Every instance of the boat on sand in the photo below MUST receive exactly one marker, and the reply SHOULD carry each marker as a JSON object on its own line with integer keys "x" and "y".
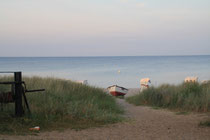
{"x": 116, "y": 90}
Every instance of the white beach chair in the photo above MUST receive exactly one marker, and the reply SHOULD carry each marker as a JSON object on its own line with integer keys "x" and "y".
{"x": 84, "y": 82}
{"x": 191, "y": 79}
{"x": 145, "y": 83}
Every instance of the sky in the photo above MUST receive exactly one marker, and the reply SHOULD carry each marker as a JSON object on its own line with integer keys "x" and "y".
{"x": 104, "y": 27}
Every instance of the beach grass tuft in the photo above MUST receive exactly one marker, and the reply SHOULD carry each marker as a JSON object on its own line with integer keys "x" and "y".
{"x": 183, "y": 97}
{"x": 63, "y": 104}
{"x": 182, "y": 113}
{"x": 205, "y": 123}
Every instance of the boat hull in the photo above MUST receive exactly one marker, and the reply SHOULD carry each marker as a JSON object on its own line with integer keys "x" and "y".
{"x": 117, "y": 91}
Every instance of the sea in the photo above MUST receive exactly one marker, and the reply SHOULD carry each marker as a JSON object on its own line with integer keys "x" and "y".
{"x": 105, "y": 71}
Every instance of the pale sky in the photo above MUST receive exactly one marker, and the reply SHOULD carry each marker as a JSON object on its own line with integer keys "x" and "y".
{"x": 104, "y": 27}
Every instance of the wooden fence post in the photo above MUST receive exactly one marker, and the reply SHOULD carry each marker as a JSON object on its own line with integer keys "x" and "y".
{"x": 18, "y": 94}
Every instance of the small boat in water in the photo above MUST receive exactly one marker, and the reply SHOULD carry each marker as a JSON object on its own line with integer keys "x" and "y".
{"x": 117, "y": 90}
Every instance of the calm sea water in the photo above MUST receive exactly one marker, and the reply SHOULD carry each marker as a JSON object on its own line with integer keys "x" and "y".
{"x": 105, "y": 71}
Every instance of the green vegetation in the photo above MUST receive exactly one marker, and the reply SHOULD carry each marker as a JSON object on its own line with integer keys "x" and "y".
{"x": 155, "y": 107}
{"x": 64, "y": 104}
{"x": 184, "y": 97}
{"x": 182, "y": 113}
{"x": 205, "y": 123}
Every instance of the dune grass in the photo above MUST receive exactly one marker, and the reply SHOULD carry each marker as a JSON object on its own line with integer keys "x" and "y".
{"x": 63, "y": 104}
{"x": 205, "y": 123}
{"x": 184, "y": 97}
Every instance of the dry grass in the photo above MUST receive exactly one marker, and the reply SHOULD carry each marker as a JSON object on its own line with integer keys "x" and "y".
{"x": 184, "y": 97}
{"x": 64, "y": 104}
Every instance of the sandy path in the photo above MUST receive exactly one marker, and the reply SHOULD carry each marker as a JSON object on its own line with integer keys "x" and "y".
{"x": 144, "y": 123}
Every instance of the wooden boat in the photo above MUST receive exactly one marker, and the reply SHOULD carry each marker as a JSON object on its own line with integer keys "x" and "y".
{"x": 117, "y": 90}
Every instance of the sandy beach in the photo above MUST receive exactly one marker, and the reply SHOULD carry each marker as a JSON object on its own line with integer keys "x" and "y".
{"x": 143, "y": 123}
{"x": 132, "y": 91}
{"x": 104, "y": 70}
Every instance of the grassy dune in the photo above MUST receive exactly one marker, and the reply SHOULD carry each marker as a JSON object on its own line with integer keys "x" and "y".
{"x": 64, "y": 104}
{"x": 184, "y": 97}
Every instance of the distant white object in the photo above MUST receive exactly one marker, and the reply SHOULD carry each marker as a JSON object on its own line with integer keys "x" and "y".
{"x": 204, "y": 82}
{"x": 191, "y": 79}
{"x": 145, "y": 82}
{"x": 84, "y": 82}
{"x": 118, "y": 71}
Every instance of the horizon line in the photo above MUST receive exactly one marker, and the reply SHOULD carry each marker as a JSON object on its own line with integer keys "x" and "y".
{"x": 109, "y": 56}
